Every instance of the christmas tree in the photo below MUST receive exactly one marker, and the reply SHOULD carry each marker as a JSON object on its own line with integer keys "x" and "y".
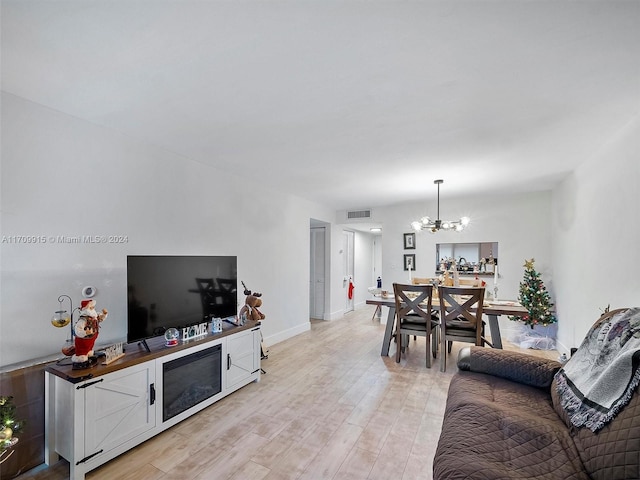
{"x": 535, "y": 298}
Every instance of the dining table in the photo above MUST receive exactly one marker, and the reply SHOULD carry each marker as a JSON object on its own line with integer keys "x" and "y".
{"x": 492, "y": 309}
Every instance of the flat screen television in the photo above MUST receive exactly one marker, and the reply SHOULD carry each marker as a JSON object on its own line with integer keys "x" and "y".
{"x": 178, "y": 291}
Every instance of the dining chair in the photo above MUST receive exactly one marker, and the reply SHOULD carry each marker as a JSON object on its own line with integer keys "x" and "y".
{"x": 206, "y": 288}
{"x": 460, "y": 318}
{"x": 414, "y": 316}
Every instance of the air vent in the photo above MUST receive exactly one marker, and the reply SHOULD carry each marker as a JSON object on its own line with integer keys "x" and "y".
{"x": 359, "y": 214}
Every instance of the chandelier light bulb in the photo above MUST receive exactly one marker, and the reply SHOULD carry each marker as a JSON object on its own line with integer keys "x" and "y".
{"x": 425, "y": 223}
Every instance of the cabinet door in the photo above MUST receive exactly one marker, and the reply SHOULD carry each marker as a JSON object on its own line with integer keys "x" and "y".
{"x": 241, "y": 357}
{"x": 119, "y": 406}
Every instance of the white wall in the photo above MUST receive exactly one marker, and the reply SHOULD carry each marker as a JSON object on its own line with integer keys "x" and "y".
{"x": 519, "y": 223}
{"x": 64, "y": 176}
{"x": 597, "y": 236}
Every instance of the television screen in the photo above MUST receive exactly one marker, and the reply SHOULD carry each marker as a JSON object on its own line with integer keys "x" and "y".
{"x": 178, "y": 291}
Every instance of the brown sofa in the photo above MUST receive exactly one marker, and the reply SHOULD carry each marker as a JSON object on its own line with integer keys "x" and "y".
{"x": 503, "y": 420}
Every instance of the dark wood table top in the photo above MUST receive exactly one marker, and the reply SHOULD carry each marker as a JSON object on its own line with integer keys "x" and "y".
{"x": 136, "y": 354}
{"x": 490, "y": 308}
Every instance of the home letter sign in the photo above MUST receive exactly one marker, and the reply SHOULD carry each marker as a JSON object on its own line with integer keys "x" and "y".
{"x": 195, "y": 331}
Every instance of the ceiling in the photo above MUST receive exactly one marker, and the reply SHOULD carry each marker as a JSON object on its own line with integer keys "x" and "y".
{"x": 353, "y": 104}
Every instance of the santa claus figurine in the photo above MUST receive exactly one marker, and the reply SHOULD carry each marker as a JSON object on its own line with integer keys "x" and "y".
{"x": 86, "y": 332}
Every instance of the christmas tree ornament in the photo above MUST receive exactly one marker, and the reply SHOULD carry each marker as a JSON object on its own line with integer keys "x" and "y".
{"x": 9, "y": 426}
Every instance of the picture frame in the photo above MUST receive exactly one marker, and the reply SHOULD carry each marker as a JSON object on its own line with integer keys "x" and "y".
{"x": 409, "y": 241}
{"x": 410, "y": 261}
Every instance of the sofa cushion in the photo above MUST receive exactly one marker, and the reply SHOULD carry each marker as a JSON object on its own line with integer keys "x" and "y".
{"x": 494, "y": 428}
{"x": 516, "y": 366}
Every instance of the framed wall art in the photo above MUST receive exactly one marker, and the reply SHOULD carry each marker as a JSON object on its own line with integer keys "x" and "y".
{"x": 410, "y": 261}
{"x": 409, "y": 241}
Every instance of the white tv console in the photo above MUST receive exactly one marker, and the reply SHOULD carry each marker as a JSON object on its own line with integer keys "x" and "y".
{"x": 96, "y": 414}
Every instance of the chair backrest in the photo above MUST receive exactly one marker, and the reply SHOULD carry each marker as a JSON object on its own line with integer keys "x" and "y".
{"x": 226, "y": 284}
{"x": 413, "y": 300}
{"x": 461, "y": 305}
{"x": 205, "y": 284}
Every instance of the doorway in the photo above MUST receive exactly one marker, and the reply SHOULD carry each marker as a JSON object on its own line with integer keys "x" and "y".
{"x": 317, "y": 273}
{"x": 348, "y": 240}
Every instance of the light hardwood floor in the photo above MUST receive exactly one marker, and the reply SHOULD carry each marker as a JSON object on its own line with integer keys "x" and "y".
{"x": 329, "y": 407}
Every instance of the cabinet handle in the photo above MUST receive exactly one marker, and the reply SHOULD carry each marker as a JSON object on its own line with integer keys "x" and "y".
{"x": 87, "y": 385}
{"x": 86, "y": 459}
{"x": 228, "y": 361}
{"x": 152, "y": 394}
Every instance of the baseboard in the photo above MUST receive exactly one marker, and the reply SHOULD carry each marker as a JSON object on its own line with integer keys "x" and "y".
{"x": 334, "y": 315}
{"x": 286, "y": 334}
{"x": 562, "y": 348}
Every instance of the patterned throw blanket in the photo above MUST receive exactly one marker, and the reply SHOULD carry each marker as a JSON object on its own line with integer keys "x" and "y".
{"x": 601, "y": 377}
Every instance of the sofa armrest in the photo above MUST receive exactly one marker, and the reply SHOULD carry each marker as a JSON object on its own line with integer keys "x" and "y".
{"x": 515, "y": 366}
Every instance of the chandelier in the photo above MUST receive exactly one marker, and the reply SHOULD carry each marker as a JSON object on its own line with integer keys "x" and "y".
{"x": 425, "y": 223}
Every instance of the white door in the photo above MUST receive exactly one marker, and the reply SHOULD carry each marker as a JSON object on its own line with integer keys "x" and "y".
{"x": 241, "y": 358}
{"x": 317, "y": 273}
{"x": 348, "y": 240}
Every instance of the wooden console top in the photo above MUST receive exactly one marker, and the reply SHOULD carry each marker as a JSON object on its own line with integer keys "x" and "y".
{"x": 136, "y": 353}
